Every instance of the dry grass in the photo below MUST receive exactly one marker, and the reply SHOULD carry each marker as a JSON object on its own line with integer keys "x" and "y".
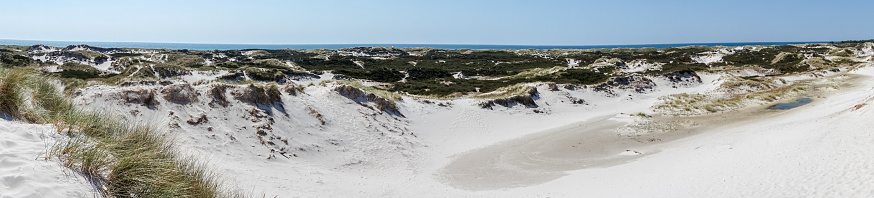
{"x": 780, "y": 57}
{"x": 698, "y": 104}
{"x": 390, "y": 96}
{"x": 262, "y": 95}
{"x": 536, "y": 72}
{"x": 217, "y": 92}
{"x": 820, "y": 63}
{"x": 842, "y": 52}
{"x": 180, "y": 93}
{"x": 11, "y": 83}
{"x": 737, "y": 85}
{"x": 132, "y": 160}
{"x": 360, "y": 96}
{"x": 694, "y": 104}
{"x": 124, "y": 159}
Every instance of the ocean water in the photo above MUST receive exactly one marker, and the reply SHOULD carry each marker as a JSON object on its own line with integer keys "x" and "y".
{"x": 199, "y": 46}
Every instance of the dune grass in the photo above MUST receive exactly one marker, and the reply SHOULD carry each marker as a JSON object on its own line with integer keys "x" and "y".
{"x": 698, "y": 104}
{"x": 521, "y": 89}
{"x": 10, "y": 92}
{"x": 122, "y": 158}
{"x": 390, "y": 96}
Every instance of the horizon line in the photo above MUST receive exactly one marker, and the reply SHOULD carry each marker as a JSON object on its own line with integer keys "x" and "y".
{"x": 566, "y": 45}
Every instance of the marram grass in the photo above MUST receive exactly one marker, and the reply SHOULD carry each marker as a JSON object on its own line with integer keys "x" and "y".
{"x": 121, "y": 158}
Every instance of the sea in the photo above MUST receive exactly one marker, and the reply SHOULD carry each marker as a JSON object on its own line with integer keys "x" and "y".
{"x": 204, "y": 46}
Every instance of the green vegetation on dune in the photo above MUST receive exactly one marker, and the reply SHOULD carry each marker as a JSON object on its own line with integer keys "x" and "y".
{"x": 9, "y": 59}
{"x": 788, "y": 62}
{"x": 444, "y": 72}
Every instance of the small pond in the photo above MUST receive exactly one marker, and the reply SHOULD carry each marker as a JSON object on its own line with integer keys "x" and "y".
{"x": 797, "y": 103}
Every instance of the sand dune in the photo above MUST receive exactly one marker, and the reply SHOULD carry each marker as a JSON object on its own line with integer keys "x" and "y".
{"x": 602, "y": 148}
{"x": 24, "y": 171}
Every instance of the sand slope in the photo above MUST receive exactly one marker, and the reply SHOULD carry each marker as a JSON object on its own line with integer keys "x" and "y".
{"x": 25, "y": 173}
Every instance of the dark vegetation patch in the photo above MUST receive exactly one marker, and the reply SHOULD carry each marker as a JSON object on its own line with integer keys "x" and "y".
{"x": 379, "y": 75}
{"x": 683, "y": 76}
{"x": 185, "y": 60}
{"x": 286, "y": 54}
{"x": 417, "y": 74}
{"x": 427, "y": 71}
{"x": 431, "y": 72}
{"x": 239, "y": 76}
{"x": 78, "y": 74}
{"x": 447, "y": 86}
{"x": 122, "y": 55}
{"x": 680, "y": 67}
{"x": 88, "y": 48}
{"x": 200, "y": 120}
{"x": 857, "y": 41}
{"x": 250, "y": 63}
{"x": 293, "y": 89}
{"x": 635, "y": 82}
{"x": 7, "y": 59}
{"x": 261, "y": 74}
{"x": 80, "y": 71}
{"x": 764, "y": 58}
{"x": 375, "y": 51}
{"x": 852, "y": 43}
{"x": 169, "y": 71}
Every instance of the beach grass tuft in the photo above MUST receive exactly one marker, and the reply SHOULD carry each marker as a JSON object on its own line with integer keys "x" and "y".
{"x": 120, "y": 157}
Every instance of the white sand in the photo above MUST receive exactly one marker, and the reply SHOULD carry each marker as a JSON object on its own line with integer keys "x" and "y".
{"x": 24, "y": 171}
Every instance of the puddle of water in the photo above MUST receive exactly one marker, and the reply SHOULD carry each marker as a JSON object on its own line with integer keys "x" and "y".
{"x": 797, "y": 103}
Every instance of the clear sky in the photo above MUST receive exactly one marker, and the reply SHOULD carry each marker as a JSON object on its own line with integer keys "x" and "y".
{"x": 541, "y": 22}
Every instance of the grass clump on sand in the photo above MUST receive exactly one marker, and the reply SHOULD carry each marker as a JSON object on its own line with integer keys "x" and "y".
{"x": 10, "y": 92}
{"x": 124, "y": 159}
{"x": 390, "y": 96}
{"x": 521, "y": 89}
{"x": 268, "y": 94}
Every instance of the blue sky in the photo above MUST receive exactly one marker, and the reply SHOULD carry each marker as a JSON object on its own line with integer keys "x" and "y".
{"x": 437, "y": 22}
